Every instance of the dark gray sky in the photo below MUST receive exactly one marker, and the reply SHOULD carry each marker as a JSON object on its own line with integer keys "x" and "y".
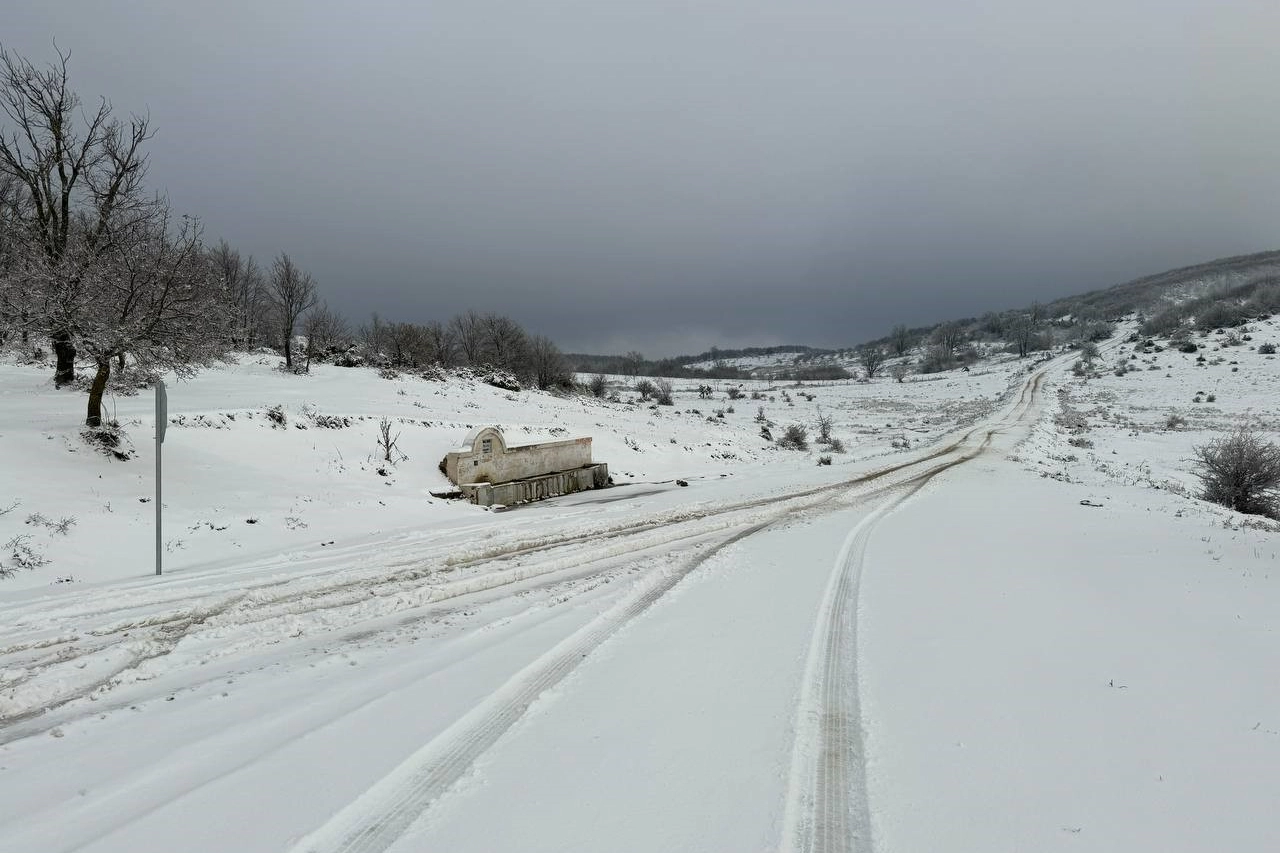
{"x": 669, "y": 175}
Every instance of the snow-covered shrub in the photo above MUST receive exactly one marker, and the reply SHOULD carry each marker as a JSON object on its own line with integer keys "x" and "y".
{"x": 825, "y": 459}
{"x": 109, "y": 439}
{"x": 598, "y": 385}
{"x": 1218, "y": 315}
{"x": 662, "y": 392}
{"x": 645, "y": 388}
{"x": 1175, "y": 421}
{"x": 17, "y": 554}
{"x": 1267, "y": 349}
{"x": 500, "y": 379}
{"x": 836, "y": 445}
{"x": 1241, "y": 471}
{"x": 795, "y": 437}
{"x": 936, "y": 360}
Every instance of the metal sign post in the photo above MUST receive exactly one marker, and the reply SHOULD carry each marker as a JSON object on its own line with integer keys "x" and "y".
{"x": 162, "y": 421}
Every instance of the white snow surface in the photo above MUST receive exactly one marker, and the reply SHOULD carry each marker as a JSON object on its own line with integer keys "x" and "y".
{"x": 1020, "y": 632}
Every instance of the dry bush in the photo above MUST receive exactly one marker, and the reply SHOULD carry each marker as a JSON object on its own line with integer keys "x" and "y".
{"x": 824, "y": 427}
{"x": 662, "y": 392}
{"x": 1242, "y": 472}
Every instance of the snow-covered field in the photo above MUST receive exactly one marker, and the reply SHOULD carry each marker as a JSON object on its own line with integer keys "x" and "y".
{"x": 930, "y": 644}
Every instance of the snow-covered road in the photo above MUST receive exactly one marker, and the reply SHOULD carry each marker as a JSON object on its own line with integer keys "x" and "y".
{"x": 588, "y": 683}
{"x": 670, "y": 671}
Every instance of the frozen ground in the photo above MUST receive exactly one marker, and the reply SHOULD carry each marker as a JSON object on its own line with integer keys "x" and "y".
{"x": 939, "y": 647}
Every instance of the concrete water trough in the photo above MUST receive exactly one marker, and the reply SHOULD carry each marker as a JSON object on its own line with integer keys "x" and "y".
{"x": 490, "y": 473}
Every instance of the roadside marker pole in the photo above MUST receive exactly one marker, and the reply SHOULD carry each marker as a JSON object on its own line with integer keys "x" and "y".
{"x": 162, "y": 421}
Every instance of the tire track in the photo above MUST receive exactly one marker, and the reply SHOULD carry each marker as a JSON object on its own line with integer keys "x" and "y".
{"x": 827, "y": 809}
{"x": 155, "y": 635}
{"x": 380, "y": 817}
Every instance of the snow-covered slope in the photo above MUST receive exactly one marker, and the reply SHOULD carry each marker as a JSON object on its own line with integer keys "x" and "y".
{"x": 242, "y": 484}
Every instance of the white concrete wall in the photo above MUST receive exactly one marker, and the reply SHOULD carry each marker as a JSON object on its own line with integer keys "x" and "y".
{"x": 504, "y": 464}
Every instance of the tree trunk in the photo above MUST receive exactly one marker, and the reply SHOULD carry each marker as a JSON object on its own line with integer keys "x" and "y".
{"x": 94, "y": 417}
{"x": 120, "y": 362}
{"x": 288, "y": 348}
{"x": 64, "y": 372}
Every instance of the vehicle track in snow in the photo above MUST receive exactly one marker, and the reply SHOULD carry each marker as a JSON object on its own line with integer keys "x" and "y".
{"x": 827, "y": 809}
{"x": 163, "y": 619}
{"x": 379, "y": 818}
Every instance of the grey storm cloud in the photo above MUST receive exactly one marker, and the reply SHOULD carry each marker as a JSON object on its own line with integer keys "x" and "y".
{"x": 668, "y": 175}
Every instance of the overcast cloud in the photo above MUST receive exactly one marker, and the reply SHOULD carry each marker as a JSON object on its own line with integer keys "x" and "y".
{"x": 668, "y": 175}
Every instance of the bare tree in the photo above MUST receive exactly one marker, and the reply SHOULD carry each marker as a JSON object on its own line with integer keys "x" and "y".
{"x": 14, "y": 310}
{"x": 505, "y": 344}
{"x": 323, "y": 329}
{"x": 900, "y": 340}
{"x": 245, "y": 290}
{"x": 468, "y": 334}
{"x": 1035, "y": 314}
{"x": 292, "y": 293}
{"x": 949, "y": 336}
{"x": 374, "y": 335}
{"x": 871, "y": 358}
{"x": 546, "y": 363}
{"x": 632, "y": 362}
{"x": 438, "y": 344}
{"x": 159, "y": 299}
{"x": 402, "y": 343}
{"x": 81, "y": 171}
{"x": 1022, "y": 334}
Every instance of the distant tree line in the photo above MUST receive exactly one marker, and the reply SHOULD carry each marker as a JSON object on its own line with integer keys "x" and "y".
{"x": 635, "y": 364}
{"x": 680, "y": 367}
{"x": 469, "y": 340}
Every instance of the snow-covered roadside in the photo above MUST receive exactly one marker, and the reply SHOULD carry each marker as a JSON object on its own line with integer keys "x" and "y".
{"x": 1141, "y": 428}
{"x": 1080, "y": 653}
{"x": 1042, "y": 675}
